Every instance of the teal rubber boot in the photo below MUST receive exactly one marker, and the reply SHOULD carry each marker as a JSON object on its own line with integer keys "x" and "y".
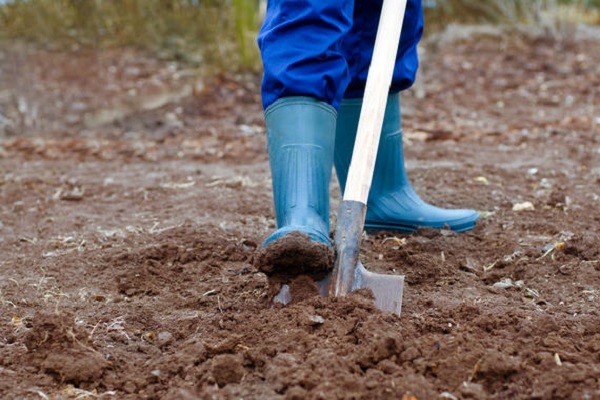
{"x": 393, "y": 203}
{"x": 300, "y": 139}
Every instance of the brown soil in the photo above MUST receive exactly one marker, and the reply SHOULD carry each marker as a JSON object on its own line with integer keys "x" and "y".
{"x": 296, "y": 261}
{"x": 128, "y": 230}
{"x": 296, "y": 253}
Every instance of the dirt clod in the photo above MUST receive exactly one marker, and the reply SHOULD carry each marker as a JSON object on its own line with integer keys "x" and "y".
{"x": 59, "y": 348}
{"x": 227, "y": 369}
{"x": 294, "y": 254}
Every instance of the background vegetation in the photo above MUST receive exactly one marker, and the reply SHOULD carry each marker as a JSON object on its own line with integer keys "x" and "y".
{"x": 551, "y": 15}
{"x": 222, "y": 32}
{"x": 215, "y": 32}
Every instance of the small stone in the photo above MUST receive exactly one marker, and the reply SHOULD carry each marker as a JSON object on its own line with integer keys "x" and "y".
{"x": 164, "y": 338}
{"x": 469, "y": 390}
{"x": 504, "y": 283}
{"x": 448, "y": 396}
{"x": 316, "y": 320}
{"x": 525, "y": 206}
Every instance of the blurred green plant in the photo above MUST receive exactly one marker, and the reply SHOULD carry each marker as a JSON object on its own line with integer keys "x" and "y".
{"x": 547, "y": 14}
{"x": 215, "y": 33}
{"x": 246, "y": 22}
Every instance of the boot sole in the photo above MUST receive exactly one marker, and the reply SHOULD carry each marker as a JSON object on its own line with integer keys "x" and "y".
{"x": 410, "y": 228}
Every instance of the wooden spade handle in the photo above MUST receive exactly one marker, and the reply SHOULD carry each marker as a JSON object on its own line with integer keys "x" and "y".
{"x": 377, "y": 88}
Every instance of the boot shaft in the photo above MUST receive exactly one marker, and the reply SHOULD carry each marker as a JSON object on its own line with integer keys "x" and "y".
{"x": 300, "y": 139}
{"x": 389, "y": 170}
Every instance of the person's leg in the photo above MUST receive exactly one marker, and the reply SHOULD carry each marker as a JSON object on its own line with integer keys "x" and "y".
{"x": 357, "y": 46}
{"x": 305, "y": 76}
{"x": 392, "y": 203}
{"x": 300, "y": 46}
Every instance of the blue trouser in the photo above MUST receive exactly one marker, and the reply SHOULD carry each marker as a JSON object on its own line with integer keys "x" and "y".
{"x": 323, "y": 48}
